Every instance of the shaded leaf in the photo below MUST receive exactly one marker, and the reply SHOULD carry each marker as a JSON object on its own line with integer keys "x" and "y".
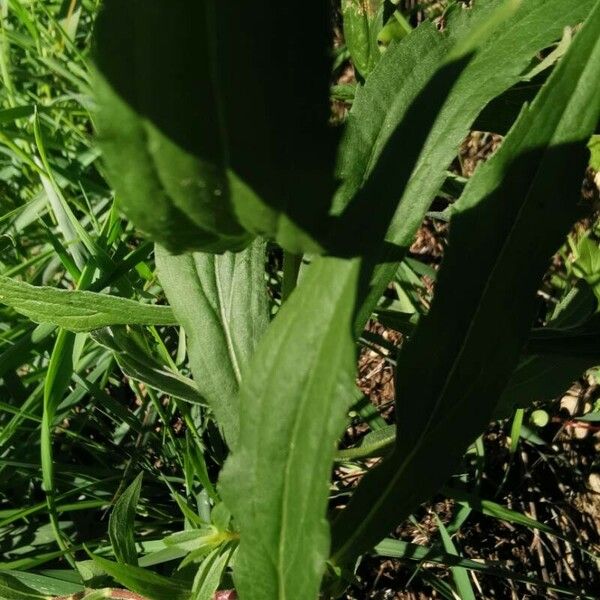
{"x": 137, "y": 363}
{"x": 416, "y": 553}
{"x": 194, "y": 167}
{"x": 516, "y": 210}
{"x": 387, "y": 100}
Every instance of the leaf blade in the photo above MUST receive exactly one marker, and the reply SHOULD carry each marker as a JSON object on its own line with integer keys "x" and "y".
{"x": 539, "y": 162}
{"x": 227, "y": 295}
{"x": 282, "y": 450}
{"x": 144, "y": 581}
{"x": 384, "y": 102}
{"x": 215, "y": 182}
{"x": 121, "y": 523}
{"x": 79, "y": 311}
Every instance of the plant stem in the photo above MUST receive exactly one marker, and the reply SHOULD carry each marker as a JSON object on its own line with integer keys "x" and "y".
{"x": 291, "y": 269}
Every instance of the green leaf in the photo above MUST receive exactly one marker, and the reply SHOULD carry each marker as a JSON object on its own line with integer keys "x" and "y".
{"x": 221, "y": 301}
{"x": 594, "y": 146}
{"x": 143, "y": 581}
{"x": 556, "y": 355}
{"x": 259, "y": 460}
{"x": 122, "y": 521}
{"x": 501, "y": 113}
{"x": 16, "y": 585}
{"x": 540, "y": 377}
{"x": 15, "y": 590}
{"x": 290, "y": 417}
{"x": 77, "y": 310}
{"x": 363, "y": 20}
{"x": 554, "y": 358}
{"x": 136, "y": 362}
{"x": 193, "y": 166}
{"x": 587, "y": 263}
{"x": 385, "y": 114}
{"x": 209, "y": 574}
{"x": 375, "y": 443}
{"x": 459, "y": 574}
{"x": 580, "y": 341}
{"x": 516, "y": 210}
{"x": 8, "y": 115}
{"x": 417, "y": 553}
{"x": 497, "y": 511}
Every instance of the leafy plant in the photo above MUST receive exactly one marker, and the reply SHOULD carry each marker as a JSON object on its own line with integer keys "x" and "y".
{"x": 215, "y": 136}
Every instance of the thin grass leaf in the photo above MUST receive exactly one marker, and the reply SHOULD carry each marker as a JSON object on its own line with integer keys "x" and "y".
{"x": 57, "y": 379}
{"x": 515, "y": 431}
{"x": 143, "y": 581}
{"x": 497, "y": 511}
{"x": 459, "y": 574}
{"x": 413, "y": 552}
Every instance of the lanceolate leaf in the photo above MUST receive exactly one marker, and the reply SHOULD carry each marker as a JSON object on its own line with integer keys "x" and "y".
{"x": 17, "y": 586}
{"x": 515, "y": 211}
{"x": 143, "y": 581}
{"x": 78, "y": 310}
{"x": 363, "y": 20}
{"x": 293, "y": 403}
{"x": 138, "y": 364}
{"x": 200, "y": 157}
{"x": 221, "y": 301}
{"x": 275, "y": 559}
{"x": 121, "y": 523}
{"x": 276, "y": 481}
{"x": 394, "y": 89}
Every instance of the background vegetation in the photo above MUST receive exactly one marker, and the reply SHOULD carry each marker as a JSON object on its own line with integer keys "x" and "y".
{"x": 101, "y": 444}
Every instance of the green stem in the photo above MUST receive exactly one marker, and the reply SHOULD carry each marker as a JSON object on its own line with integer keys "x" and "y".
{"x": 291, "y": 269}
{"x": 60, "y": 370}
